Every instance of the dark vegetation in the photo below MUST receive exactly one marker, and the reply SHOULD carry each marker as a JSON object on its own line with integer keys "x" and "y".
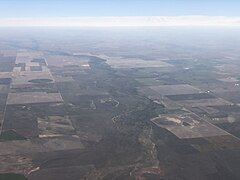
{"x": 11, "y": 135}
{"x": 40, "y": 81}
{"x": 12, "y": 176}
{"x": 191, "y": 96}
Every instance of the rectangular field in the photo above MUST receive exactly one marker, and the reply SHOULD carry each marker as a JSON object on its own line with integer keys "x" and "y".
{"x": 187, "y": 126}
{"x": 205, "y": 102}
{"x": 198, "y": 96}
{"x": 33, "y": 97}
{"x": 175, "y": 89}
{"x": 119, "y": 62}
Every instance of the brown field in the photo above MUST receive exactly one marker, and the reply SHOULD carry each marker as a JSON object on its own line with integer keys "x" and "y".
{"x": 40, "y": 145}
{"x": 55, "y": 126}
{"x": 61, "y": 61}
{"x": 187, "y": 126}
{"x": 33, "y": 97}
{"x": 120, "y": 62}
{"x": 175, "y": 89}
{"x": 205, "y": 102}
{"x": 5, "y": 74}
{"x": 25, "y": 77}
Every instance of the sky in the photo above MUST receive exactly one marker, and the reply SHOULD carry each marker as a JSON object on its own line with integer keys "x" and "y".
{"x": 76, "y": 8}
{"x": 50, "y": 9}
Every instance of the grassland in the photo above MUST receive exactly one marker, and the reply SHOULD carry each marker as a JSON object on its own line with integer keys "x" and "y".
{"x": 40, "y": 81}
{"x": 12, "y": 176}
{"x": 11, "y": 135}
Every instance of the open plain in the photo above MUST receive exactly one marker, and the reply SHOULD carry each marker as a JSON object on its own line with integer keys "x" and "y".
{"x": 104, "y": 108}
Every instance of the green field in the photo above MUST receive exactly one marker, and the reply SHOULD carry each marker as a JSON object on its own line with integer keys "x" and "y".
{"x": 12, "y": 176}
{"x": 175, "y": 111}
{"x": 40, "y": 81}
{"x": 198, "y": 96}
{"x": 10, "y": 136}
{"x": 149, "y": 81}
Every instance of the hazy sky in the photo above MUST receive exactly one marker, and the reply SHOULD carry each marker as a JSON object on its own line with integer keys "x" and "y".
{"x": 119, "y": 13}
{"x": 78, "y": 8}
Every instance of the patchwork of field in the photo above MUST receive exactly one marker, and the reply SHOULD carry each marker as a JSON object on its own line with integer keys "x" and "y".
{"x": 205, "y": 100}
{"x": 30, "y": 77}
{"x": 187, "y": 126}
{"x": 17, "y": 155}
{"x": 7, "y": 60}
{"x": 87, "y": 109}
{"x": 31, "y": 73}
{"x": 40, "y": 145}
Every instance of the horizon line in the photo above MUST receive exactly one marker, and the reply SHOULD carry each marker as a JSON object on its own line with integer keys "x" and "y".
{"x": 122, "y": 21}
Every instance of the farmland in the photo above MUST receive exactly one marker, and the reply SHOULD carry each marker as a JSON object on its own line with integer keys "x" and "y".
{"x": 108, "y": 108}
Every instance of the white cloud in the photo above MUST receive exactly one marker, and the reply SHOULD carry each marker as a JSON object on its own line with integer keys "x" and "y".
{"x": 122, "y": 21}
